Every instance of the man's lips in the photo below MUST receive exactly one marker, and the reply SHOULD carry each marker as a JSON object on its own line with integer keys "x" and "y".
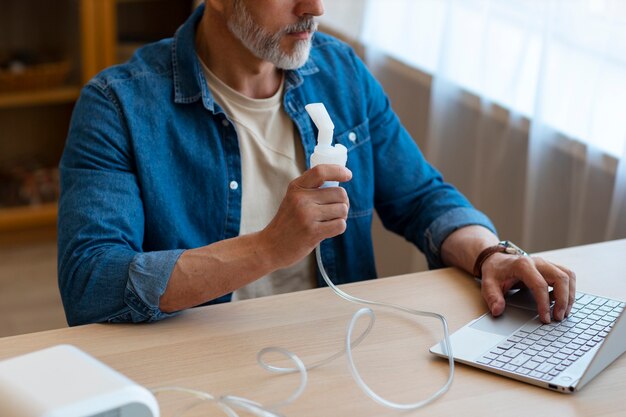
{"x": 300, "y": 35}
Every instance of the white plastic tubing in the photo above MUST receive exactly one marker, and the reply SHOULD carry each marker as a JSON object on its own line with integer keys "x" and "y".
{"x": 231, "y": 404}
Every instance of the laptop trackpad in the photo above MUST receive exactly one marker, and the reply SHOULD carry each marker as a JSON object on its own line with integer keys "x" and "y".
{"x": 512, "y": 319}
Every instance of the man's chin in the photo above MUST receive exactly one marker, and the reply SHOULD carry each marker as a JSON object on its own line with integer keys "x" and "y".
{"x": 296, "y": 59}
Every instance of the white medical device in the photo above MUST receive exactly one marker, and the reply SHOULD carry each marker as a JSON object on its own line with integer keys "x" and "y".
{"x": 63, "y": 381}
{"x": 325, "y": 152}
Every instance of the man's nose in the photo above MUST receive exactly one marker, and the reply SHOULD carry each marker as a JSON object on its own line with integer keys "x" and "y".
{"x": 309, "y": 8}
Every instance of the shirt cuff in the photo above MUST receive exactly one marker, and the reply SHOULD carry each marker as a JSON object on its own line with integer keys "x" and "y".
{"x": 149, "y": 274}
{"x": 447, "y": 223}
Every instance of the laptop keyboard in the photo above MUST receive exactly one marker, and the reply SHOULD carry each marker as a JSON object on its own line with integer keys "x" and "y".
{"x": 547, "y": 350}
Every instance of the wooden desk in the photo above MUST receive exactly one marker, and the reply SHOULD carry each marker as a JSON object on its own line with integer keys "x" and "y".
{"x": 214, "y": 348}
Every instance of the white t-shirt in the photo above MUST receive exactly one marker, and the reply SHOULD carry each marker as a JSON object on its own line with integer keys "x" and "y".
{"x": 271, "y": 157}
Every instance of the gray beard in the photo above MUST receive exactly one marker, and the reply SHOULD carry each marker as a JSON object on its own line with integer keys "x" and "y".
{"x": 265, "y": 45}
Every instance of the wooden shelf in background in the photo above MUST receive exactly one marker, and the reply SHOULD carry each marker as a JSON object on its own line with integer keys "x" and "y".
{"x": 15, "y": 219}
{"x": 57, "y": 95}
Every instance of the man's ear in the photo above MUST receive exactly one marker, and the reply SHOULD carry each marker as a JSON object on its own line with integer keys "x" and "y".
{"x": 218, "y": 5}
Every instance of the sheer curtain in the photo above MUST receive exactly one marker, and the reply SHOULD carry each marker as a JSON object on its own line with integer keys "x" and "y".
{"x": 526, "y": 106}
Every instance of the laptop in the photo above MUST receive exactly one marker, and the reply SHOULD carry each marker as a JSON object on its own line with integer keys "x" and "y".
{"x": 561, "y": 356}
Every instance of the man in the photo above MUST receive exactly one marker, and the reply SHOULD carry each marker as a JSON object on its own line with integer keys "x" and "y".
{"x": 184, "y": 178}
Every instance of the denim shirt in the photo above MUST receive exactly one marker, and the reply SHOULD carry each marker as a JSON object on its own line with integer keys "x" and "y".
{"x": 152, "y": 167}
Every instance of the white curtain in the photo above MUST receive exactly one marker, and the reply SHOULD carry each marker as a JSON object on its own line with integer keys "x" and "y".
{"x": 526, "y": 107}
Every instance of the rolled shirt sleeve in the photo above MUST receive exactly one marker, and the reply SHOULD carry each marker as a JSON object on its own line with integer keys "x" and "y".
{"x": 445, "y": 225}
{"x": 146, "y": 283}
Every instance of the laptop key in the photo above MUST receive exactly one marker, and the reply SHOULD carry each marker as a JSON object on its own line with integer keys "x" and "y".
{"x": 544, "y": 367}
{"x": 575, "y": 331}
{"x": 523, "y": 371}
{"x": 498, "y": 364}
{"x": 536, "y": 374}
{"x": 552, "y": 349}
{"x": 497, "y": 351}
{"x": 531, "y": 352}
{"x": 506, "y": 345}
{"x": 484, "y": 360}
{"x": 510, "y": 368}
{"x": 531, "y": 364}
{"x": 520, "y": 359}
{"x": 544, "y": 354}
{"x": 511, "y": 353}
{"x": 598, "y": 301}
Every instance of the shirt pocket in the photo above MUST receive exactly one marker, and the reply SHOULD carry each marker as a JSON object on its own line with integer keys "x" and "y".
{"x": 354, "y": 137}
{"x": 360, "y": 188}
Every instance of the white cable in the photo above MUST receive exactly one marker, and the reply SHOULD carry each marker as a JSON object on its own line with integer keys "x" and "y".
{"x": 355, "y": 373}
{"x": 229, "y": 403}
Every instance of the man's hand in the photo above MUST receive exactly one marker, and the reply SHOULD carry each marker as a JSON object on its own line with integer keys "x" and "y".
{"x": 501, "y": 272}
{"x": 308, "y": 214}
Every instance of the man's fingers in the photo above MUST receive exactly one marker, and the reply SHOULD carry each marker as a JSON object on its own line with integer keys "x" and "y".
{"x": 331, "y": 228}
{"x": 564, "y": 282}
{"x": 525, "y": 269}
{"x": 332, "y": 212}
{"x": 559, "y": 281}
{"x": 316, "y": 176}
{"x": 331, "y": 195}
{"x": 572, "y": 287}
{"x": 492, "y": 294}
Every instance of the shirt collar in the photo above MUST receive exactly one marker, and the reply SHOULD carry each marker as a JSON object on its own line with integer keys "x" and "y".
{"x": 189, "y": 82}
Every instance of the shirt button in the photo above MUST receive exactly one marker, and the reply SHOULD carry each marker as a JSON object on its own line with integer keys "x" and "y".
{"x": 352, "y": 136}
{"x": 225, "y": 123}
{"x": 233, "y": 185}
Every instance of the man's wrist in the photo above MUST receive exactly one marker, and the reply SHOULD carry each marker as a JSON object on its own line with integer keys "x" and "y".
{"x": 503, "y": 247}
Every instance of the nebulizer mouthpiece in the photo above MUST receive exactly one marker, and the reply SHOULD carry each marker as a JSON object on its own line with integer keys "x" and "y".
{"x": 325, "y": 152}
